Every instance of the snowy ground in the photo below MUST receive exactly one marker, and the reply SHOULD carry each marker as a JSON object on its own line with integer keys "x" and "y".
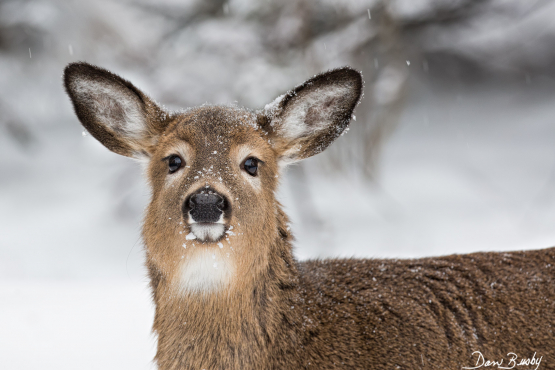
{"x": 75, "y": 325}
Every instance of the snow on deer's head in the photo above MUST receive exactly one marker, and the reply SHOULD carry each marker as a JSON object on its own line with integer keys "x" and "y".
{"x": 213, "y": 170}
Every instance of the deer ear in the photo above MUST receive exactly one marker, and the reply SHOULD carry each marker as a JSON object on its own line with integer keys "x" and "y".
{"x": 114, "y": 111}
{"x": 306, "y": 120}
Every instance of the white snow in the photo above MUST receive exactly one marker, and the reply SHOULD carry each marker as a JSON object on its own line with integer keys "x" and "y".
{"x": 79, "y": 324}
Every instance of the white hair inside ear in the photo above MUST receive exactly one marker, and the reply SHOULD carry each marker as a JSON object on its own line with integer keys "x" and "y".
{"x": 117, "y": 109}
{"x": 306, "y": 120}
{"x": 310, "y": 113}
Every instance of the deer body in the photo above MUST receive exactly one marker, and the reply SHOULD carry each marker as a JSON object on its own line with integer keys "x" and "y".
{"x": 228, "y": 292}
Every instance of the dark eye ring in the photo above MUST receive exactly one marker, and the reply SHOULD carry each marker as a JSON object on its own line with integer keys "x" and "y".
{"x": 250, "y": 165}
{"x": 174, "y": 163}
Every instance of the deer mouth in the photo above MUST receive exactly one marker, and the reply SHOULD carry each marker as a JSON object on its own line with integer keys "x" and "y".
{"x": 207, "y": 231}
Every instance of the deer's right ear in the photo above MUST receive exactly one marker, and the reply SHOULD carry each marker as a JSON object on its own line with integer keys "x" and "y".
{"x": 115, "y": 112}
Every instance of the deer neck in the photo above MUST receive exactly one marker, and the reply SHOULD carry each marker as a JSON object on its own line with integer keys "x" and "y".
{"x": 231, "y": 325}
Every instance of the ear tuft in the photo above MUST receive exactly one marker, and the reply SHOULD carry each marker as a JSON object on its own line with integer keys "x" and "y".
{"x": 306, "y": 120}
{"x": 114, "y": 111}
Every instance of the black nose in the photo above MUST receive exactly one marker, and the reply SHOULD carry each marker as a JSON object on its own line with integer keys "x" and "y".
{"x": 205, "y": 206}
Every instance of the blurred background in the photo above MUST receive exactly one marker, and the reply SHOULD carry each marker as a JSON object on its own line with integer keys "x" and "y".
{"x": 452, "y": 150}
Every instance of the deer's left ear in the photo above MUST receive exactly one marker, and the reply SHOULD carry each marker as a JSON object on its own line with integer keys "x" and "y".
{"x": 306, "y": 120}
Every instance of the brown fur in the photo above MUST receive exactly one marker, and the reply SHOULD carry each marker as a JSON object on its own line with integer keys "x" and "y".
{"x": 277, "y": 313}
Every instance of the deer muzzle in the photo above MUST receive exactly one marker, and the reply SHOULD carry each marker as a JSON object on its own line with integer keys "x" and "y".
{"x": 205, "y": 211}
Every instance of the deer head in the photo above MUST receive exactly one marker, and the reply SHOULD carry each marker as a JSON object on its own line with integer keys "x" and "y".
{"x": 213, "y": 170}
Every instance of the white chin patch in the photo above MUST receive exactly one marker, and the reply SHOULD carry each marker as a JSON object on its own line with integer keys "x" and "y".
{"x": 208, "y": 232}
{"x": 207, "y": 270}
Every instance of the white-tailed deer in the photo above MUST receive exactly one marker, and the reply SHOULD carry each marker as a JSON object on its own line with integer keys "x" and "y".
{"x": 230, "y": 295}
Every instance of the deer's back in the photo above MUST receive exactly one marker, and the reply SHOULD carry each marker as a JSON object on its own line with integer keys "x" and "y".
{"x": 434, "y": 312}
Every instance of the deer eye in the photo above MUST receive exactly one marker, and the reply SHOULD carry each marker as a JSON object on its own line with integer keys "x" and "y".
{"x": 251, "y": 166}
{"x": 174, "y": 163}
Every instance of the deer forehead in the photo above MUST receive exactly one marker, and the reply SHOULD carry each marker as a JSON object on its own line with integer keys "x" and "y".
{"x": 213, "y": 142}
{"x": 216, "y": 134}
{"x": 217, "y": 122}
